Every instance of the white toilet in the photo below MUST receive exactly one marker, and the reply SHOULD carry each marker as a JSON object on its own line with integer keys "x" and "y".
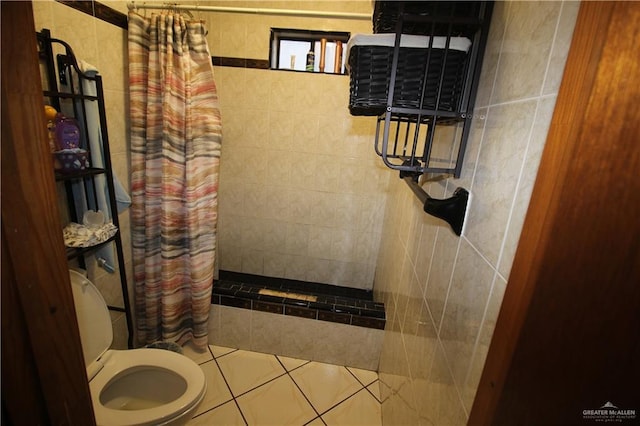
{"x": 137, "y": 386}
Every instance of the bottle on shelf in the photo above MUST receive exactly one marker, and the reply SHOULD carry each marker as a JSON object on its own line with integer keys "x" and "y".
{"x": 311, "y": 57}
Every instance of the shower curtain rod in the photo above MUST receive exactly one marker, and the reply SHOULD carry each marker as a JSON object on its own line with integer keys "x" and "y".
{"x": 251, "y": 10}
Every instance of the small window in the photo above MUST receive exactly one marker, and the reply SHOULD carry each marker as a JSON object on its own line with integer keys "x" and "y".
{"x": 306, "y": 50}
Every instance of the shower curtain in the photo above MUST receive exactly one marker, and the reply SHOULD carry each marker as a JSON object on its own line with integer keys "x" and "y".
{"x": 176, "y": 136}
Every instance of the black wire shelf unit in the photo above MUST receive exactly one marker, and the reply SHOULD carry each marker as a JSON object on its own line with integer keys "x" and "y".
{"x": 422, "y": 89}
{"x": 63, "y": 89}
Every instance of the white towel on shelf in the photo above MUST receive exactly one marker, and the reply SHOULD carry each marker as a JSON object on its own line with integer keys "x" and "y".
{"x": 407, "y": 40}
{"x": 104, "y": 255}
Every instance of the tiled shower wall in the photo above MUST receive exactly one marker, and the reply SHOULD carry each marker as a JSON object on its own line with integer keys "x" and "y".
{"x": 105, "y": 46}
{"x": 302, "y": 192}
{"x": 443, "y": 293}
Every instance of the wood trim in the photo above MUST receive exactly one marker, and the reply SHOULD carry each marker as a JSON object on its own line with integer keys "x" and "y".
{"x": 566, "y": 339}
{"x": 20, "y": 366}
{"x": 42, "y": 361}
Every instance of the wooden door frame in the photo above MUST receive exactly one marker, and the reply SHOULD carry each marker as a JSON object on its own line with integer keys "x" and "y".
{"x": 567, "y": 336}
{"x": 43, "y": 376}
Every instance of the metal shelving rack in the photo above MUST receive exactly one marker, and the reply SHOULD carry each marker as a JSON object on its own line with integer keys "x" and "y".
{"x": 71, "y": 98}
{"x": 406, "y": 137}
{"x": 431, "y": 138}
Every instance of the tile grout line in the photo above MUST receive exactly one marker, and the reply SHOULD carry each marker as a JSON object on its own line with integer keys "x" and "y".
{"x": 293, "y": 369}
{"x": 366, "y": 387}
{"x": 371, "y": 393}
{"x": 259, "y": 386}
{"x": 335, "y": 405}
{"x": 345, "y": 399}
{"x": 200, "y": 364}
{"x": 301, "y": 391}
{"x": 215, "y": 406}
{"x": 356, "y": 377}
{"x": 233, "y": 397}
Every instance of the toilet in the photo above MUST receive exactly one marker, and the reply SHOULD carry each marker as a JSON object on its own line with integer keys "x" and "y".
{"x": 132, "y": 387}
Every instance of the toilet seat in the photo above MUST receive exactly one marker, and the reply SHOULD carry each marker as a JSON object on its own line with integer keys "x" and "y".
{"x": 184, "y": 380}
{"x": 116, "y": 366}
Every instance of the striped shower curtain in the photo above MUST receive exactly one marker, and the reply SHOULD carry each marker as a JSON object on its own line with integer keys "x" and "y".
{"x": 176, "y": 136}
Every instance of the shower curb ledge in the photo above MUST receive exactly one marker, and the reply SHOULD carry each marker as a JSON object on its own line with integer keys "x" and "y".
{"x": 309, "y": 300}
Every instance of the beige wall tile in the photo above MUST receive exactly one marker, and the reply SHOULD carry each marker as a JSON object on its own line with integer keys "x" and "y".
{"x": 120, "y": 333}
{"x": 464, "y": 287}
{"x": 527, "y": 43}
{"x": 235, "y": 328}
{"x": 266, "y": 332}
{"x": 275, "y": 264}
{"x": 308, "y": 131}
{"x": 544, "y": 112}
{"x": 561, "y": 44}
{"x": 484, "y": 340}
{"x": 43, "y": 14}
{"x": 492, "y": 53}
{"x": 446, "y": 248}
{"x": 112, "y": 58}
{"x": 302, "y": 341}
{"x": 499, "y": 165}
{"x": 438, "y": 400}
{"x": 462, "y": 318}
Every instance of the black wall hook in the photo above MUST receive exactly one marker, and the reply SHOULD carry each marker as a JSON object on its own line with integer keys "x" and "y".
{"x": 452, "y": 210}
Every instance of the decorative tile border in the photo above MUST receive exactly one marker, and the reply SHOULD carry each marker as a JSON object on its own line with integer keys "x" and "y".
{"x": 99, "y": 10}
{"x": 333, "y": 303}
{"x": 224, "y": 61}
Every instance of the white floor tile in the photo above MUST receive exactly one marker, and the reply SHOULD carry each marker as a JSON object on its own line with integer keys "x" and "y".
{"x": 218, "y": 351}
{"x": 291, "y": 363}
{"x": 268, "y": 396}
{"x": 217, "y": 390}
{"x": 278, "y": 402}
{"x": 227, "y": 415}
{"x": 245, "y": 370}
{"x": 197, "y": 356}
{"x": 362, "y": 409}
{"x": 366, "y": 377}
{"x": 374, "y": 388}
{"x": 325, "y": 384}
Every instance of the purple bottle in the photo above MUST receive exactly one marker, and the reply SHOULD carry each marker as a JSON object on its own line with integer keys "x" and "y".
{"x": 67, "y": 133}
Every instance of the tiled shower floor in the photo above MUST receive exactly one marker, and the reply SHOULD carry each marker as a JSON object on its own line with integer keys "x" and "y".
{"x": 251, "y": 388}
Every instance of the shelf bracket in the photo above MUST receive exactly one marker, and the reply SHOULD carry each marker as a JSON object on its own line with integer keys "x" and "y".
{"x": 452, "y": 210}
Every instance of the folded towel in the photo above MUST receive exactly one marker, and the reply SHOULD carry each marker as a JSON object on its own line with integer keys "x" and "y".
{"x": 407, "y": 40}
{"x": 123, "y": 200}
{"x": 105, "y": 255}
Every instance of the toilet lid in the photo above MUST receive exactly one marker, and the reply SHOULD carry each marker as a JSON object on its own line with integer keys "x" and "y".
{"x": 94, "y": 321}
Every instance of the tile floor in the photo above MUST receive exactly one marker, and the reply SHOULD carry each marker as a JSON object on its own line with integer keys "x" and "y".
{"x": 251, "y": 388}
